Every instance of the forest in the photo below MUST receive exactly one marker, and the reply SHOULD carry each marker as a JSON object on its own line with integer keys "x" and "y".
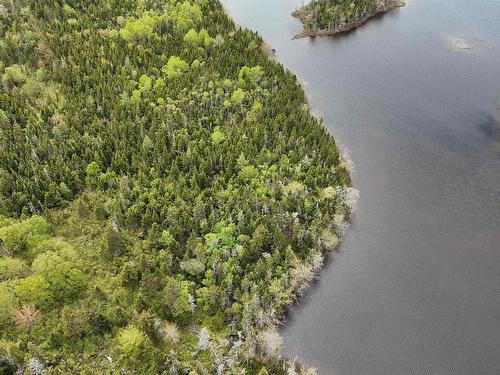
{"x": 165, "y": 192}
{"x": 337, "y": 16}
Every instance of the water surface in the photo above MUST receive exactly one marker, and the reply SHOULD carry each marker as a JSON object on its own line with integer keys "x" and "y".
{"x": 413, "y": 94}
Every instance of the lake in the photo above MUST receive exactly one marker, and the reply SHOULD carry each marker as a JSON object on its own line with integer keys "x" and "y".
{"x": 413, "y": 94}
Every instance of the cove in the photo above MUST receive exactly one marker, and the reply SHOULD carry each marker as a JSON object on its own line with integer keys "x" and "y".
{"x": 414, "y": 95}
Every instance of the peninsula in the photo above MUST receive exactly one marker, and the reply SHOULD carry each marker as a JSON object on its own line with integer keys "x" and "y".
{"x": 165, "y": 191}
{"x": 329, "y": 17}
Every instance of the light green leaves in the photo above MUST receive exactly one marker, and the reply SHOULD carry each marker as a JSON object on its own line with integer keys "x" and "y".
{"x": 93, "y": 169}
{"x": 22, "y": 236}
{"x": 56, "y": 278}
{"x": 14, "y": 75}
{"x": 191, "y": 37}
{"x": 11, "y": 268}
{"x": 248, "y": 172}
{"x": 174, "y": 67}
{"x": 137, "y": 29}
{"x": 145, "y": 83}
{"x": 201, "y": 38}
{"x": 238, "y": 96}
{"x": 217, "y": 136}
{"x": 7, "y": 303}
{"x": 132, "y": 341}
{"x": 250, "y": 76}
{"x": 185, "y": 15}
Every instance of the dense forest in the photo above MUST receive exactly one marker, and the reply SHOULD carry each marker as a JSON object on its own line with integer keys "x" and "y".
{"x": 336, "y": 16}
{"x": 165, "y": 192}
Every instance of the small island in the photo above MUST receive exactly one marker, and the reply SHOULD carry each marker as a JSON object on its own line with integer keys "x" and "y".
{"x": 329, "y": 17}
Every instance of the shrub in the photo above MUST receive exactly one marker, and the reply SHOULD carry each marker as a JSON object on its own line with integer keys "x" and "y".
{"x": 35, "y": 290}
{"x": 6, "y": 221}
{"x": 7, "y": 303}
{"x": 176, "y": 298}
{"x": 52, "y": 287}
{"x": 76, "y": 319}
{"x": 137, "y": 29}
{"x": 14, "y": 75}
{"x": 132, "y": 341}
{"x": 248, "y": 172}
{"x": 54, "y": 245}
{"x": 62, "y": 255}
{"x": 11, "y": 268}
{"x": 113, "y": 244}
{"x": 19, "y": 237}
{"x": 65, "y": 283}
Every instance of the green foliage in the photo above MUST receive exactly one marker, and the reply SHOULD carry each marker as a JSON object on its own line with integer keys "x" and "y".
{"x": 185, "y": 15}
{"x": 66, "y": 283}
{"x": 6, "y": 221}
{"x": 65, "y": 190}
{"x": 198, "y": 38}
{"x": 184, "y": 180}
{"x": 35, "y": 290}
{"x": 217, "y": 136}
{"x": 114, "y": 245}
{"x": 191, "y": 37}
{"x": 7, "y": 304}
{"x": 137, "y": 29}
{"x": 159, "y": 85}
{"x": 93, "y": 170}
{"x": 248, "y": 172}
{"x": 132, "y": 341}
{"x": 145, "y": 83}
{"x": 238, "y": 96}
{"x": 174, "y": 67}
{"x": 250, "y": 75}
{"x": 21, "y": 236}
{"x": 14, "y": 75}
{"x": 51, "y": 288}
{"x": 176, "y": 299}
{"x": 62, "y": 255}
{"x": 51, "y": 245}
{"x": 11, "y": 268}
{"x": 168, "y": 240}
{"x": 55, "y": 280}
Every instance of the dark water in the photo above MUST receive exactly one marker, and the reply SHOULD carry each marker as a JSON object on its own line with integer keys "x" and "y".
{"x": 416, "y": 286}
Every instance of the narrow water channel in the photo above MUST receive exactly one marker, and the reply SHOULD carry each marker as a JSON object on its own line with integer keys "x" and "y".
{"x": 414, "y": 95}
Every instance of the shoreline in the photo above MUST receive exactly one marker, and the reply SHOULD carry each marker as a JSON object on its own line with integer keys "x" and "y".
{"x": 311, "y": 271}
{"x": 303, "y": 15}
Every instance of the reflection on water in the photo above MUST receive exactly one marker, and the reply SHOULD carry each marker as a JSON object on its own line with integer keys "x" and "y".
{"x": 415, "y": 289}
{"x": 460, "y": 44}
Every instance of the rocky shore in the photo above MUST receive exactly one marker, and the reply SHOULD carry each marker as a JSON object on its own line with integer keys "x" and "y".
{"x": 330, "y": 17}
